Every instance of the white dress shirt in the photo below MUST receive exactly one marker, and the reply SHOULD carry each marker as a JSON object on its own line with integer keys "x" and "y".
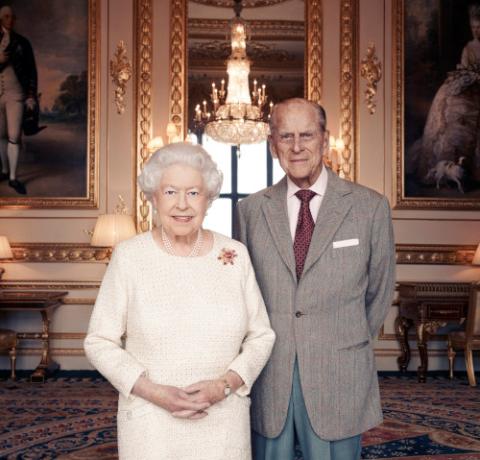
{"x": 293, "y": 202}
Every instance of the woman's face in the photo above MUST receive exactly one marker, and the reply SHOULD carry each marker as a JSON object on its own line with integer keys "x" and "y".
{"x": 181, "y": 200}
{"x": 475, "y": 26}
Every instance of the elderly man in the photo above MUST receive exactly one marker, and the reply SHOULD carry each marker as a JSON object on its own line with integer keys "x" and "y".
{"x": 323, "y": 253}
{"x": 18, "y": 86}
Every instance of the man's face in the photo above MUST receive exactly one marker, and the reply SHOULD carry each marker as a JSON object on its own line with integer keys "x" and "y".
{"x": 298, "y": 142}
{"x": 7, "y": 19}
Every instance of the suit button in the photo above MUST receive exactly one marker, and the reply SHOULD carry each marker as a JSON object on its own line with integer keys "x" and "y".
{"x": 298, "y": 314}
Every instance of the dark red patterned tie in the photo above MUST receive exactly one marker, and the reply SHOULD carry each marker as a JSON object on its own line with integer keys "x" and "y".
{"x": 303, "y": 233}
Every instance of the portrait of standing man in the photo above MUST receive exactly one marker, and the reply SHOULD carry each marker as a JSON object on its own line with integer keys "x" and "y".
{"x": 323, "y": 253}
{"x": 18, "y": 92}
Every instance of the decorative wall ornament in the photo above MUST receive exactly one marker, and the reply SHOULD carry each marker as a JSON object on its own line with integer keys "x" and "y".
{"x": 371, "y": 71}
{"x": 348, "y": 85}
{"x": 144, "y": 45}
{"x": 121, "y": 72}
{"x": 314, "y": 50}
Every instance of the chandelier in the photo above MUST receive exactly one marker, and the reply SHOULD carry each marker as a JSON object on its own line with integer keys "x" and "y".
{"x": 237, "y": 117}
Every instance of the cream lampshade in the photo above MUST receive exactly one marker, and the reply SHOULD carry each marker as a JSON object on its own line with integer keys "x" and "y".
{"x": 110, "y": 229}
{"x": 5, "y": 251}
{"x": 476, "y": 257}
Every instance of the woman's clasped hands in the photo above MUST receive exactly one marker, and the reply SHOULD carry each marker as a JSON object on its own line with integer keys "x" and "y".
{"x": 190, "y": 402}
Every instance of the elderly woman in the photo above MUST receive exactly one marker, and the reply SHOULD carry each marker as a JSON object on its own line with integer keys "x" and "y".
{"x": 179, "y": 326}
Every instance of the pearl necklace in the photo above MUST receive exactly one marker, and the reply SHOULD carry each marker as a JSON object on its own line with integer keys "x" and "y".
{"x": 197, "y": 246}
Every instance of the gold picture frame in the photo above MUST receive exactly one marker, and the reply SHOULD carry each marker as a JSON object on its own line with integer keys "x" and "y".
{"x": 415, "y": 187}
{"x": 88, "y": 198}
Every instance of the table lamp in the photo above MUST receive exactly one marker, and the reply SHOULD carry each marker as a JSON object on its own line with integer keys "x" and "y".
{"x": 5, "y": 252}
{"x": 110, "y": 229}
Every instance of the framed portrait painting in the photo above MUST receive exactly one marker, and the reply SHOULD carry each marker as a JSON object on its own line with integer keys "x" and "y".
{"x": 437, "y": 104}
{"x": 48, "y": 103}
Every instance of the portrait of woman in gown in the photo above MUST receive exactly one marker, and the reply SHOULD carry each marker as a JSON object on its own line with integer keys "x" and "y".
{"x": 446, "y": 158}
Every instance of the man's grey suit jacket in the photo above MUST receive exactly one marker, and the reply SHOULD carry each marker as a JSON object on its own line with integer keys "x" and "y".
{"x": 330, "y": 318}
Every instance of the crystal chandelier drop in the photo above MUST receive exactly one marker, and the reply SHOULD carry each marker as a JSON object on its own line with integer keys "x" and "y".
{"x": 237, "y": 118}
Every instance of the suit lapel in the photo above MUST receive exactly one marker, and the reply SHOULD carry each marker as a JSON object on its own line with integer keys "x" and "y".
{"x": 333, "y": 210}
{"x": 275, "y": 210}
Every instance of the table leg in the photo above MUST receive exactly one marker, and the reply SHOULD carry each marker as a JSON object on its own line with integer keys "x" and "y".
{"x": 424, "y": 330}
{"x": 422, "y": 339}
{"x": 402, "y": 325}
{"x": 46, "y": 365}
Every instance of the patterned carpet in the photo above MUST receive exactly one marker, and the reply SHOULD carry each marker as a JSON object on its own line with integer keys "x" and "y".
{"x": 73, "y": 418}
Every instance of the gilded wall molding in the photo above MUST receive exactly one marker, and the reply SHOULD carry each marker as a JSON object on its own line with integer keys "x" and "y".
{"x": 50, "y": 285}
{"x": 59, "y": 252}
{"x": 314, "y": 50}
{"x": 348, "y": 85}
{"x": 371, "y": 71}
{"x": 121, "y": 72}
{"x": 431, "y": 254}
{"x": 144, "y": 57}
{"x": 259, "y": 29}
{"x": 413, "y": 254}
{"x": 178, "y": 63}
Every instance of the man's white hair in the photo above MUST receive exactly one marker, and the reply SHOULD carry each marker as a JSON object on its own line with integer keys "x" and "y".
{"x": 5, "y": 9}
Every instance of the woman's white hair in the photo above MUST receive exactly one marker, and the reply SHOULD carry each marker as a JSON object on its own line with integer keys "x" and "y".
{"x": 184, "y": 153}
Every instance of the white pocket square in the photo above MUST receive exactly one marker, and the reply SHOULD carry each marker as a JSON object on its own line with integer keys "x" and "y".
{"x": 345, "y": 243}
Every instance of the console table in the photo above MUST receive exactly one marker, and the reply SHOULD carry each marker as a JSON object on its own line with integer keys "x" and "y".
{"x": 43, "y": 302}
{"x": 427, "y": 306}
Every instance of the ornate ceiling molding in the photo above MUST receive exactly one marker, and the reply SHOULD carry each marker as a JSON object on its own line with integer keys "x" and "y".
{"x": 258, "y": 29}
{"x": 246, "y": 3}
